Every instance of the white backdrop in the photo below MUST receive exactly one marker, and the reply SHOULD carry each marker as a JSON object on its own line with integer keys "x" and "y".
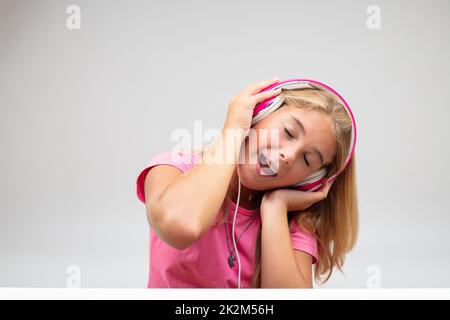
{"x": 83, "y": 110}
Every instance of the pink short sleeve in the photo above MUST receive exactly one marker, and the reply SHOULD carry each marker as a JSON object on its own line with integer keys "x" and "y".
{"x": 180, "y": 160}
{"x": 303, "y": 241}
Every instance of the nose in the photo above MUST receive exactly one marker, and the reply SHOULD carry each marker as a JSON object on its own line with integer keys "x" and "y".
{"x": 287, "y": 157}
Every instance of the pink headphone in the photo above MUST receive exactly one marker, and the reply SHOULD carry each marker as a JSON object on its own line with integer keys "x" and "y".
{"x": 266, "y": 107}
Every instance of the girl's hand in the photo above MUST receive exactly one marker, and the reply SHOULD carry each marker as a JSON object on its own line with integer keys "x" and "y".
{"x": 292, "y": 199}
{"x": 240, "y": 108}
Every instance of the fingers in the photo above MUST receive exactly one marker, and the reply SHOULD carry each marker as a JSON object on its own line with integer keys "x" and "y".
{"x": 323, "y": 193}
{"x": 266, "y": 95}
{"x": 257, "y": 87}
{"x": 296, "y": 200}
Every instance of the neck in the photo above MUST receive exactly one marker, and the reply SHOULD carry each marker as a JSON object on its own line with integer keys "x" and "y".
{"x": 250, "y": 199}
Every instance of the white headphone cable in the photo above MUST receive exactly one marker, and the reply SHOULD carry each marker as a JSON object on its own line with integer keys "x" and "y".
{"x": 234, "y": 238}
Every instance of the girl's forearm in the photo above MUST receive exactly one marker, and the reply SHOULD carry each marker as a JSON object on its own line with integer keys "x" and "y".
{"x": 195, "y": 198}
{"x": 278, "y": 266}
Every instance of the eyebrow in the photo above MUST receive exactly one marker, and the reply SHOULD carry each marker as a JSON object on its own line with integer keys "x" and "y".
{"x": 302, "y": 129}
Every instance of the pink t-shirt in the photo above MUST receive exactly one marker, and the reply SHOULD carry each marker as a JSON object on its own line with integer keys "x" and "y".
{"x": 204, "y": 264}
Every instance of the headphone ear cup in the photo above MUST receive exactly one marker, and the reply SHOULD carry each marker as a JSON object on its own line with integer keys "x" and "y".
{"x": 314, "y": 177}
{"x": 265, "y": 108}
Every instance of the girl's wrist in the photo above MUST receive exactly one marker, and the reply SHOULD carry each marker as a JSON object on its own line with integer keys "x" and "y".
{"x": 272, "y": 208}
{"x": 226, "y": 148}
{"x": 239, "y": 134}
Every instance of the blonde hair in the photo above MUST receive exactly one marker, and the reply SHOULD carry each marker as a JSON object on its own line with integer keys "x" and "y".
{"x": 334, "y": 221}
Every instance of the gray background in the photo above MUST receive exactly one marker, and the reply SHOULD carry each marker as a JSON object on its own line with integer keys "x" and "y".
{"x": 82, "y": 111}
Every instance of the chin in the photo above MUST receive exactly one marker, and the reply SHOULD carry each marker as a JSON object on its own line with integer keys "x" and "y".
{"x": 250, "y": 179}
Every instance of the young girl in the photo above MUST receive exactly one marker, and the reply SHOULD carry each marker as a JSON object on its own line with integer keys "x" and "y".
{"x": 280, "y": 232}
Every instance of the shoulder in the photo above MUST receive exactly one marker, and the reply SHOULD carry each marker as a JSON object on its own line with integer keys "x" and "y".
{"x": 183, "y": 160}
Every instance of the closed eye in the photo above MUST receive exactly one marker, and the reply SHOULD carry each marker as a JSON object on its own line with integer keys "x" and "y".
{"x": 306, "y": 161}
{"x": 292, "y": 137}
{"x": 289, "y": 134}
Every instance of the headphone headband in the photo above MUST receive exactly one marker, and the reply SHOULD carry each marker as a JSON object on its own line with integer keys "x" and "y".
{"x": 270, "y": 105}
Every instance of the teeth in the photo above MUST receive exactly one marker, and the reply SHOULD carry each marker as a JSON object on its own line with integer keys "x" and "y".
{"x": 263, "y": 159}
{"x": 267, "y": 171}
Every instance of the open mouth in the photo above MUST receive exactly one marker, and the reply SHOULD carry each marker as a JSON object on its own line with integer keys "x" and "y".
{"x": 263, "y": 168}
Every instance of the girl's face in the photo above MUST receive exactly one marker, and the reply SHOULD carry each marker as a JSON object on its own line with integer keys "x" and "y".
{"x": 295, "y": 156}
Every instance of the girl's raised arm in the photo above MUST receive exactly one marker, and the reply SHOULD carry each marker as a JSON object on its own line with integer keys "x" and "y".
{"x": 187, "y": 204}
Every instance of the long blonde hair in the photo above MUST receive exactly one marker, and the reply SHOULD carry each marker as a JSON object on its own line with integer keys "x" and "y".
{"x": 334, "y": 221}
